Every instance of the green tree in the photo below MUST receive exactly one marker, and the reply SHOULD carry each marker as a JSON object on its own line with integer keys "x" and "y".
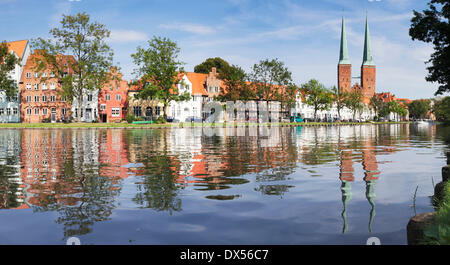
{"x": 354, "y": 102}
{"x": 235, "y": 85}
{"x": 288, "y": 97}
{"x": 375, "y": 104}
{"x": 432, "y": 25}
{"x": 339, "y": 98}
{"x": 220, "y": 64}
{"x": 268, "y": 78}
{"x": 419, "y": 108}
{"x": 77, "y": 55}
{"x": 8, "y": 62}
{"x": 317, "y": 96}
{"x": 159, "y": 71}
{"x": 441, "y": 109}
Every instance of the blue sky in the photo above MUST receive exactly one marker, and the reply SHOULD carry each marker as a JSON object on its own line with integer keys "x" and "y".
{"x": 304, "y": 33}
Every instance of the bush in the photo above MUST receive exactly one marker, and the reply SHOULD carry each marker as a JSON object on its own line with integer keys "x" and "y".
{"x": 160, "y": 120}
{"x": 130, "y": 118}
{"x": 138, "y": 119}
{"x": 46, "y": 120}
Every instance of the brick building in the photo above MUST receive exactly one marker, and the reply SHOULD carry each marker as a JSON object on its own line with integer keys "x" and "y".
{"x": 112, "y": 99}
{"x": 41, "y": 94}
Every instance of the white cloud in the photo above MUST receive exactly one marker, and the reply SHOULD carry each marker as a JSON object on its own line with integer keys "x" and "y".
{"x": 127, "y": 36}
{"x": 191, "y": 28}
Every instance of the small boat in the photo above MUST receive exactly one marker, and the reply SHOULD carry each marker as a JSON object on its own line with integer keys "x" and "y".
{"x": 422, "y": 122}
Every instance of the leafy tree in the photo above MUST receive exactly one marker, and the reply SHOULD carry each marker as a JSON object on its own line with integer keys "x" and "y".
{"x": 432, "y": 25}
{"x": 268, "y": 78}
{"x": 8, "y": 63}
{"x": 354, "y": 102}
{"x": 235, "y": 85}
{"x": 317, "y": 96}
{"x": 77, "y": 55}
{"x": 419, "y": 108}
{"x": 441, "y": 109}
{"x": 396, "y": 108}
{"x": 339, "y": 98}
{"x": 159, "y": 71}
{"x": 375, "y": 104}
{"x": 288, "y": 97}
{"x": 205, "y": 67}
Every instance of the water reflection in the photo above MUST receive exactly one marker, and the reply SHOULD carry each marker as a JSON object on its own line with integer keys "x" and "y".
{"x": 79, "y": 174}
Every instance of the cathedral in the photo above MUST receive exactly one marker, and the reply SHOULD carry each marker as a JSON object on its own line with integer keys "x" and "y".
{"x": 368, "y": 69}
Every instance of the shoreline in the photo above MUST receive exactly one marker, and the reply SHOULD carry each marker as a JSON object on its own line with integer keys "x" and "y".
{"x": 180, "y": 125}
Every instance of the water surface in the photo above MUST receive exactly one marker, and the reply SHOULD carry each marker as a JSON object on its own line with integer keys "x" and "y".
{"x": 298, "y": 185}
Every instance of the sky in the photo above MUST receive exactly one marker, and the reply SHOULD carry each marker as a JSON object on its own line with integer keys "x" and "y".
{"x": 304, "y": 34}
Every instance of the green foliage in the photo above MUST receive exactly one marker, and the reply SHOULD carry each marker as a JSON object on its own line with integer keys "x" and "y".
{"x": 354, "y": 102}
{"x": 267, "y": 77}
{"x": 432, "y": 25}
{"x": 160, "y": 120}
{"x": 235, "y": 85}
{"x": 317, "y": 96}
{"x": 77, "y": 55}
{"x": 158, "y": 71}
{"x": 376, "y": 105}
{"x": 438, "y": 233}
{"x": 130, "y": 118}
{"x": 419, "y": 108}
{"x": 8, "y": 63}
{"x": 339, "y": 98}
{"x": 205, "y": 67}
{"x": 441, "y": 109}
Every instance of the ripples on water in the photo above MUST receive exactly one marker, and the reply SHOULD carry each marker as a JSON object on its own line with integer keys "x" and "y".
{"x": 299, "y": 185}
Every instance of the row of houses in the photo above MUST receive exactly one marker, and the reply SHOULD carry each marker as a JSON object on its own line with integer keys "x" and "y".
{"x": 40, "y": 99}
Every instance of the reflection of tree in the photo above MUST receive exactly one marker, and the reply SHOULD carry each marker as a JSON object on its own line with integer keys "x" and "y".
{"x": 318, "y": 151}
{"x": 11, "y": 195}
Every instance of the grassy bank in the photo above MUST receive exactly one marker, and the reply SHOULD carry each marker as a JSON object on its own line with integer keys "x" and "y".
{"x": 438, "y": 233}
{"x": 185, "y": 124}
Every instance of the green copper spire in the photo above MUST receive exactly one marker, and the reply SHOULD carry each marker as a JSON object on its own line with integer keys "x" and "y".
{"x": 368, "y": 60}
{"x": 343, "y": 57}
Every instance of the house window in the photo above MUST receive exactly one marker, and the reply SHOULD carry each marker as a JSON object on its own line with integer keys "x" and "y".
{"x": 64, "y": 111}
{"x": 44, "y": 111}
{"x": 15, "y": 111}
{"x": 28, "y": 111}
{"x": 89, "y": 97}
{"x": 28, "y": 98}
{"x": 36, "y": 86}
{"x": 28, "y": 75}
{"x": 36, "y": 111}
{"x": 217, "y": 89}
{"x": 157, "y": 110}
{"x": 36, "y": 98}
{"x": 44, "y": 74}
{"x": 52, "y": 86}
{"x": 81, "y": 114}
{"x": 63, "y": 98}
{"x": 52, "y": 74}
{"x": 107, "y": 97}
{"x": 2, "y": 111}
{"x": 137, "y": 111}
{"x": 115, "y": 112}
{"x": 76, "y": 112}
{"x": 44, "y": 86}
{"x": 52, "y": 98}
{"x": 118, "y": 97}
{"x": 36, "y": 75}
{"x": 28, "y": 86}
{"x": 44, "y": 98}
{"x": 102, "y": 106}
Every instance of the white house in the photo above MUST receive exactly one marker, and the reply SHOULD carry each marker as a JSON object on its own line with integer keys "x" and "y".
{"x": 89, "y": 106}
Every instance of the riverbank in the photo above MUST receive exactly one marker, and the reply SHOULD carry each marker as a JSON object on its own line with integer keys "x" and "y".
{"x": 182, "y": 124}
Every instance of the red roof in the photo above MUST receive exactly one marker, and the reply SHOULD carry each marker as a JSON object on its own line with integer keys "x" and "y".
{"x": 18, "y": 47}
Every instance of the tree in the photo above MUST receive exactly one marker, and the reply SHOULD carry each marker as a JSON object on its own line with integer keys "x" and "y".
{"x": 339, "y": 98}
{"x": 159, "y": 71}
{"x": 432, "y": 25}
{"x": 269, "y": 78}
{"x": 441, "y": 109}
{"x": 419, "y": 108}
{"x": 317, "y": 96}
{"x": 220, "y": 64}
{"x": 8, "y": 62}
{"x": 375, "y": 104}
{"x": 288, "y": 97}
{"x": 235, "y": 85}
{"x": 77, "y": 55}
{"x": 354, "y": 102}
{"x": 396, "y": 108}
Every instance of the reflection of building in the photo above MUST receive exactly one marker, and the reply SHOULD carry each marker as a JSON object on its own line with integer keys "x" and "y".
{"x": 113, "y": 154}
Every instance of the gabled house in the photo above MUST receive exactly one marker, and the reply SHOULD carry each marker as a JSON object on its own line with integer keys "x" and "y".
{"x": 112, "y": 99}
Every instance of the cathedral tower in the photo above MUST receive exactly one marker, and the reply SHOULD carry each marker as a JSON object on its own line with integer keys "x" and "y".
{"x": 368, "y": 70}
{"x": 344, "y": 66}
